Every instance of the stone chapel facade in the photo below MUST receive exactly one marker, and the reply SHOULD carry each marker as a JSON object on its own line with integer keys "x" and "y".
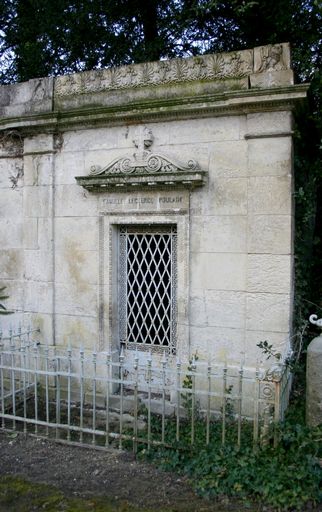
{"x": 150, "y": 206}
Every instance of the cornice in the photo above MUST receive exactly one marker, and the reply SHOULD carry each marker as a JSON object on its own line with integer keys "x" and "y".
{"x": 180, "y": 107}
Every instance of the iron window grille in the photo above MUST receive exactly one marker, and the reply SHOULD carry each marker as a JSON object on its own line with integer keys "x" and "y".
{"x": 147, "y": 286}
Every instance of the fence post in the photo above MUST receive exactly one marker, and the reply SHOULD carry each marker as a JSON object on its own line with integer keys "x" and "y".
{"x": 313, "y": 378}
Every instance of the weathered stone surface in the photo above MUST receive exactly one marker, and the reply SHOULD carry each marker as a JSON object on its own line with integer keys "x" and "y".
{"x": 271, "y": 234}
{"x": 218, "y": 271}
{"x": 269, "y": 195}
{"x": 29, "y": 237}
{"x": 272, "y": 79}
{"x": 38, "y": 265}
{"x": 27, "y": 97}
{"x": 268, "y": 311}
{"x": 229, "y": 233}
{"x": 11, "y": 203}
{"x": 70, "y": 201}
{"x": 225, "y": 163}
{"x": 61, "y": 242}
{"x": 11, "y": 172}
{"x": 218, "y": 344}
{"x": 39, "y": 144}
{"x": 78, "y": 330}
{"x": 269, "y": 273}
{"x": 76, "y": 233}
{"x": 269, "y": 123}
{"x": 75, "y": 266}
{"x": 227, "y": 196}
{"x": 10, "y": 233}
{"x": 270, "y": 157}
{"x": 255, "y": 355}
{"x": 38, "y": 170}
{"x": 38, "y": 297}
{"x": 37, "y": 201}
{"x": 11, "y": 263}
{"x": 314, "y": 383}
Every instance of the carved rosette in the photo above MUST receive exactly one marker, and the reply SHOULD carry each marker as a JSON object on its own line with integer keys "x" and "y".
{"x": 144, "y": 169}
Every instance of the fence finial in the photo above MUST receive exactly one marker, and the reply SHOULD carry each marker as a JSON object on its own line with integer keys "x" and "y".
{"x": 314, "y": 320}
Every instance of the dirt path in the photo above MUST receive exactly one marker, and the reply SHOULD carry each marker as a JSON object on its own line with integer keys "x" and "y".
{"x": 86, "y": 473}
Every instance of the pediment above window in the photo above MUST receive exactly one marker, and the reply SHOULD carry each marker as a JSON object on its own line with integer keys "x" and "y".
{"x": 144, "y": 169}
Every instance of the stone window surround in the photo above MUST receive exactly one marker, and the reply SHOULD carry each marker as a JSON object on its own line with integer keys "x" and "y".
{"x": 108, "y": 261}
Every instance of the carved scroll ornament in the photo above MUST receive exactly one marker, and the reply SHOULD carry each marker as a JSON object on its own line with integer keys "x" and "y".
{"x": 143, "y": 169}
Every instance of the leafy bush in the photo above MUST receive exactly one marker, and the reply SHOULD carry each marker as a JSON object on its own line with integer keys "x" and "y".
{"x": 286, "y": 477}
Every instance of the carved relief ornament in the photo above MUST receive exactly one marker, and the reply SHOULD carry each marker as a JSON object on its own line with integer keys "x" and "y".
{"x": 143, "y": 169}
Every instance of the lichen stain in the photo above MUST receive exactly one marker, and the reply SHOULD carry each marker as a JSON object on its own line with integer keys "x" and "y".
{"x": 75, "y": 259}
{"x": 76, "y": 334}
{"x": 10, "y": 263}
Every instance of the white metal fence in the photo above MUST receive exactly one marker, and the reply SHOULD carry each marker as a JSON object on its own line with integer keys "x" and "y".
{"x": 105, "y": 399}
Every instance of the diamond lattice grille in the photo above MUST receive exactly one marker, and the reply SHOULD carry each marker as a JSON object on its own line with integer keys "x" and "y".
{"x": 147, "y": 285}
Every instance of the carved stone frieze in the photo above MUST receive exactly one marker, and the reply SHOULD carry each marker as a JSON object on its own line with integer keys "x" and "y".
{"x": 205, "y": 67}
{"x": 273, "y": 57}
{"x": 143, "y": 168}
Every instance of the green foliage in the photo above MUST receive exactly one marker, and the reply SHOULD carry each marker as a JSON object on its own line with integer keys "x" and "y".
{"x": 287, "y": 477}
{"x": 3, "y": 309}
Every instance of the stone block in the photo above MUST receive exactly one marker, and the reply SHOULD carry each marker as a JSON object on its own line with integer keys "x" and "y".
{"x": 45, "y": 232}
{"x": 218, "y": 233}
{"x": 77, "y": 331}
{"x": 270, "y": 195}
{"x": 227, "y": 160}
{"x": 15, "y": 302}
{"x": 269, "y": 273}
{"x": 186, "y": 152}
{"x": 38, "y": 265}
{"x": 79, "y": 233}
{"x": 270, "y": 157}
{"x": 74, "y": 201}
{"x": 226, "y": 128}
{"x": 271, "y": 234}
{"x": 218, "y": 344}
{"x": 73, "y": 163}
{"x": 91, "y": 139}
{"x": 39, "y": 143}
{"x": 38, "y": 297}
{"x": 268, "y": 312}
{"x": 70, "y": 302}
{"x": 272, "y": 79}
{"x": 43, "y": 322}
{"x": 11, "y": 263}
{"x": 26, "y": 97}
{"x": 218, "y": 271}
{"x": 10, "y": 169}
{"x": 77, "y": 267}
{"x": 264, "y": 123}
{"x": 37, "y": 201}
{"x": 38, "y": 170}
{"x": 30, "y": 233}
{"x": 10, "y": 233}
{"x": 255, "y": 355}
{"x": 225, "y": 309}
{"x": 225, "y": 196}
{"x": 11, "y": 203}
{"x": 197, "y": 309}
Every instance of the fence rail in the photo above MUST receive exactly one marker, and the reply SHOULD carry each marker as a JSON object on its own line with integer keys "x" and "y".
{"x": 104, "y": 399}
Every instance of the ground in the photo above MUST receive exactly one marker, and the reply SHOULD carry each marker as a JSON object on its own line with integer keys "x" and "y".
{"x": 87, "y": 479}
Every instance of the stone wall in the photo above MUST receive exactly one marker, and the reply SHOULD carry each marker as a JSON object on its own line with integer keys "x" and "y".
{"x": 232, "y": 115}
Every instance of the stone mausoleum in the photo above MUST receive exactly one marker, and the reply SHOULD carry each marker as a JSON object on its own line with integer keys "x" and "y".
{"x": 150, "y": 206}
